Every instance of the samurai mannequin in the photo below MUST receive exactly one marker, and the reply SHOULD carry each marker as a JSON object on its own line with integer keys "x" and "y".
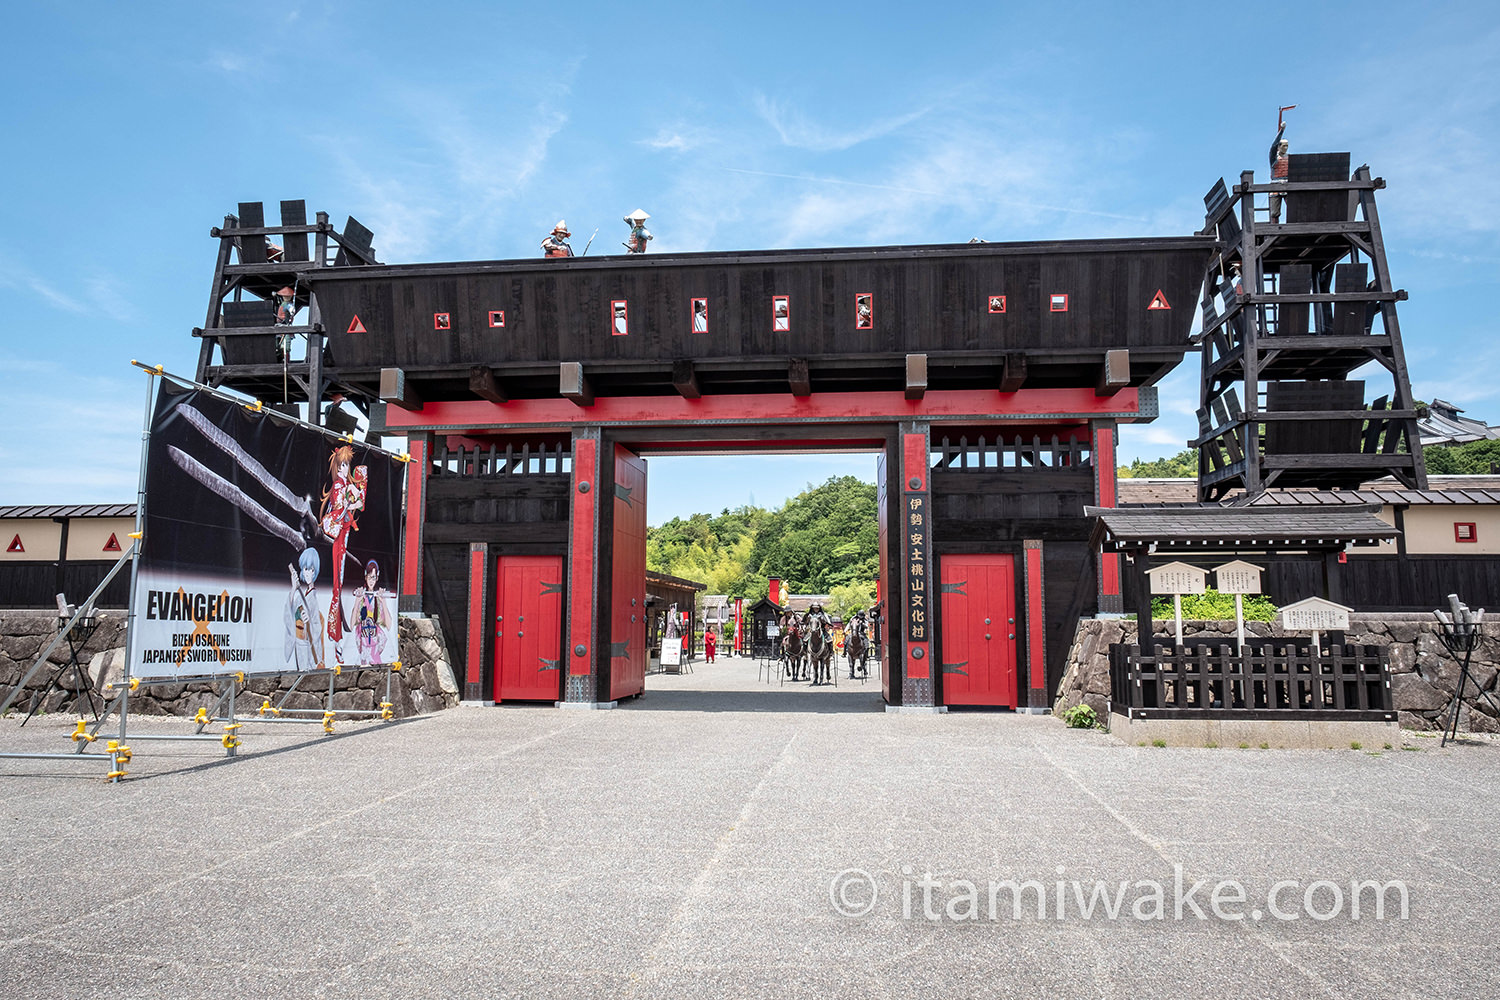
{"x": 639, "y": 234}
{"x": 556, "y": 244}
{"x": 1279, "y": 166}
{"x": 286, "y": 305}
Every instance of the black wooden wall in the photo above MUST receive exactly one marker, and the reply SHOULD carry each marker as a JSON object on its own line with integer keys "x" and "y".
{"x": 34, "y": 584}
{"x": 515, "y": 515}
{"x": 995, "y": 510}
{"x": 925, "y": 299}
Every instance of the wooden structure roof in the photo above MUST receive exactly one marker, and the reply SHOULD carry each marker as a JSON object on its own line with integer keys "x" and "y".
{"x": 1209, "y": 528}
{"x": 1445, "y": 490}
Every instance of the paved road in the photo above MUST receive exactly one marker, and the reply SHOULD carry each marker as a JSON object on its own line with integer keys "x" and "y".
{"x": 685, "y": 846}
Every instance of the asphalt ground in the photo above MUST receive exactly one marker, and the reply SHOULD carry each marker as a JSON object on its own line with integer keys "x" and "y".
{"x": 702, "y": 842}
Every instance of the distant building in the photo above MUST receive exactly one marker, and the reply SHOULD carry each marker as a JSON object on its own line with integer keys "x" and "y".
{"x": 1443, "y": 425}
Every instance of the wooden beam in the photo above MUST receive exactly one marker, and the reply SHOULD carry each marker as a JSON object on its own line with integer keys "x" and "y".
{"x": 1013, "y": 375}
{"x": 916, "y": 376}
{"x": 685, "y": 380}
{"x": 394, "y": 388}
{"x": 572, "y": 384}
{"x": 797, "y": 375}
{"x": 1114, "y": 374}
{"x": 482, "y": 383}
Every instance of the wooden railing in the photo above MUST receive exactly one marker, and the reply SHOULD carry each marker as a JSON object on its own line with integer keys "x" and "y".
{"x": 1278, "y": 678}
{"x": 541, "y": 459}
{"x": 1015, "y": 452}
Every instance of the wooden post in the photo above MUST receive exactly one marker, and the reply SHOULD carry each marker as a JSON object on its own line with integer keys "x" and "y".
{"x": 420, "y": 447}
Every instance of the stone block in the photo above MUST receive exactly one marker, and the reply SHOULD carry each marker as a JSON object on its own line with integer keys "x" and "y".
{"x": 1412, "y": 693}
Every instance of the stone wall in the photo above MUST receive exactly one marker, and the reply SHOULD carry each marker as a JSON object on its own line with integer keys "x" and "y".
{"x": 1423, "y": 672}
{"x": 424, "y": 684}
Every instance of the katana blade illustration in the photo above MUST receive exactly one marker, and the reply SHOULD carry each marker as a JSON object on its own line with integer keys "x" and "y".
{"x": 229, "y": 446}
{"x": 232, "y": 493}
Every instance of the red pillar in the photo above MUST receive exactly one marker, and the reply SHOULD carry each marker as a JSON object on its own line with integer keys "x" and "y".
{"x": 479, "y": 621}
{"x": 911, "y": 613}
{"x": 420, "y": 447}
{"x": 1105, "y": 437}
{"x": 1036, "y": 626}
{"x": 583, "y": 630}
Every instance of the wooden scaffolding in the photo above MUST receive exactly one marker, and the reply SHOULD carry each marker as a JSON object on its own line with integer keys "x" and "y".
{"x": 1290, "y": 311}
{"x": 282, "y": 363}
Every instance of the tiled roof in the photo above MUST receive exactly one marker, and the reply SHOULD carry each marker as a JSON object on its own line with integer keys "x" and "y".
{"x": 1312, "y": 526}
{"x": 1442, "y": 490}
{"x": 69, "y": 510}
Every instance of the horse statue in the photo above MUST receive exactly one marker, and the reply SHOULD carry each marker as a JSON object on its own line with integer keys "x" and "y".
{"x": 819, "y": 646}
{"x": 857, "y": 646}
{"x": 793, "y": 648}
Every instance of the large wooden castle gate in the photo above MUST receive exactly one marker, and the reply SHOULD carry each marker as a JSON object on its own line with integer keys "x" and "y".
{"x": 990, "y": 379}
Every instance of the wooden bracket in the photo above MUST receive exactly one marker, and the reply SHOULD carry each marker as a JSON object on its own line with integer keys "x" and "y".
{"x": 482, "y": 383}
{"x": 1114, "y": 374}
{"x": 394, "y": 388}
{"x": 916, "y": 376}
{"x": 797, "y": 375}
{"x": 1013, "y": 374}
{"x": 572, "y": 384}
{"x": 685, "y": 380}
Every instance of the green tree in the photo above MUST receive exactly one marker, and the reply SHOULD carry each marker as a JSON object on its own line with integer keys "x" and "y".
{"x": 1183, "y": 465}
{"x": 1476, "y": 458}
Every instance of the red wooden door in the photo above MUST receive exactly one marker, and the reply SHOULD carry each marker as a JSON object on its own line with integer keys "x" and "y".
{"x": 528, "y": 628}
{"x": 627, "y": 665}
{"x": 979, "y": 630}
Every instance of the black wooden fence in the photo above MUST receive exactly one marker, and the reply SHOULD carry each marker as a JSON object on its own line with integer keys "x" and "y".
{"x": 1272, "y": 679}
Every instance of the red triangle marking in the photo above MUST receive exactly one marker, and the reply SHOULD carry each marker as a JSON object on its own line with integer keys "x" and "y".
{"x": 355, "y": 326}
{"x": 1159, "y": 301}
{"x": 15, "y": 545}
{"x": 113, "y": 545}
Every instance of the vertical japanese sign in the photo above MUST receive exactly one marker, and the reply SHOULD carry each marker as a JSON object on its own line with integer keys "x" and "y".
{"x": 918, "y": 618}
{"x": 270, "y": 546}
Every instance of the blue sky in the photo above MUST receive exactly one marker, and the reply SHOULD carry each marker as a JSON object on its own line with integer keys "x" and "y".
{"x": 464, "y": 131}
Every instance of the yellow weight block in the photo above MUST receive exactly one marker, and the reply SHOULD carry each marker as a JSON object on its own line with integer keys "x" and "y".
{"x": 202, "y": 717}
{"x": 81, "y": 733}
{"x": 135, "y": 682}
{"x": 230, "y": 741}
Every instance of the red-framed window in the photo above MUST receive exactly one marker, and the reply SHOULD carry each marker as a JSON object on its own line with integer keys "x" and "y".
{"x": 699, "y": 312}
{"x": 619, "y": 312}
{"x": 1465, "y": 531}
{"x": 497, "y": 317}
{"x": 781, "y": 313}
{"x": 1058, "y": 303}
{"x": 864, "y": 311}
{"x": 442, "y": 321}
{"x": 997, "y": 303}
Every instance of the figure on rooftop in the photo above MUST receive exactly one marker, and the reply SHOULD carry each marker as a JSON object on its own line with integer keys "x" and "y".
{"x": 639, "y": 234}
{"x": 1279, "y": 162}
{"x": 556, "y": 243}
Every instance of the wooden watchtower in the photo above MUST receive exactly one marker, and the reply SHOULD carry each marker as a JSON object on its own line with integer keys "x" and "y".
{"x": 282, "y": 363}
{"x": 1290, "y": 311}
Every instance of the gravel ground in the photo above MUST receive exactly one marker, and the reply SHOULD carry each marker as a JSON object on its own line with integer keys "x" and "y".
{"x": 701, "y": 842}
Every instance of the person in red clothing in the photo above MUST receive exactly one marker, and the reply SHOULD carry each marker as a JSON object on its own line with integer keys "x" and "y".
{"x": 710, "y": 641}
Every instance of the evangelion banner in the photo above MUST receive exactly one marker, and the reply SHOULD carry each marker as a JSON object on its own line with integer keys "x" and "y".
{"x": 269, "y": 545}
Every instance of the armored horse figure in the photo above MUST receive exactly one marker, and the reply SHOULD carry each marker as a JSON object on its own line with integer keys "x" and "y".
{"x": 792, "y": 647}
{"x": 819, "y": 645}
{"x": 857, "y": 646}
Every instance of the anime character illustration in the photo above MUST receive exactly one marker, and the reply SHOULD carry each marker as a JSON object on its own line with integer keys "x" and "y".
{"x": 372, "y": 619}
{"x": 303, "y": 616}
{"x": 342, "y": 503}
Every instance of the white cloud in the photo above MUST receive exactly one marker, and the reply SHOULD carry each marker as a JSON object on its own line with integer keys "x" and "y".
{"x": 797, "y": 130}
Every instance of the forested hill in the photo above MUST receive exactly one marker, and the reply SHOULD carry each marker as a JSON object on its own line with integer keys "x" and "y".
{"x": 823, "y": 541}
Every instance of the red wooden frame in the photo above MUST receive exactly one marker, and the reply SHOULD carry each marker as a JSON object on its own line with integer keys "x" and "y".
{"x": 625, "y": 315}
{"x": 1458, "y": 531}
{"x": 866, "y": 324}
{"x": 442, "y": 321}
{"x": 497, "y": 318}
{"x": 693, "y": 313}
{"x": 1052, "y": 304}
{"x": 581, "y": 558}
{"x": 997, "y": 300}
{"x": 787, "y": 301}
{"x": 479, "y": 561}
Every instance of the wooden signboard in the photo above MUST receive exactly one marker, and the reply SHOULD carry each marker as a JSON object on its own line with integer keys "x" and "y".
{"x": 1237, "y": 578}
{"x": 1314, "y": 615}
{"x": 1178, "y": 578}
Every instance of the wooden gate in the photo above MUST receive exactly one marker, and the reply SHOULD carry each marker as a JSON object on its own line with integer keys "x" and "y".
{"x": 627, "y": 665}
{"x": 978, "y": 630}
{"x": 528, "y": 628}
